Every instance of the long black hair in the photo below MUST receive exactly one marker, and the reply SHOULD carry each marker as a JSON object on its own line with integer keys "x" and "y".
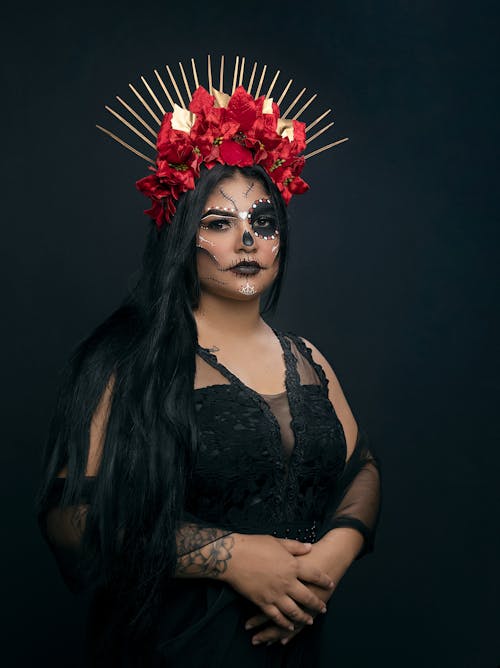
{"x": 148, "y": 347}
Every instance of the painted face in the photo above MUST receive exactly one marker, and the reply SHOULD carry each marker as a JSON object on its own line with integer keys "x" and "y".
{"x": 238, "y": 239}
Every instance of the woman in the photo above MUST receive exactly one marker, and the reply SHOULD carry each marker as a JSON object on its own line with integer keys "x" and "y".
{"x": 204, "y": 476}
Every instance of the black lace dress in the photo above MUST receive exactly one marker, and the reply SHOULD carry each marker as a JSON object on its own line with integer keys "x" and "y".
{"x": 268, "y": 464}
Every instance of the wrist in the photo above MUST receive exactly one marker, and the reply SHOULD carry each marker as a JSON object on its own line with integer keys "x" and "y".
{"x": 338, "y": 549}
{"x": 232, "y": 549}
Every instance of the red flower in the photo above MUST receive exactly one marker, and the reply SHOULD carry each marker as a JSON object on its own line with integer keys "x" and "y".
{"x": 234, "y": 153}
{"x": 242, "y": 109}
{"x": 240, "y": 135}
{"x": 162, "y": 197}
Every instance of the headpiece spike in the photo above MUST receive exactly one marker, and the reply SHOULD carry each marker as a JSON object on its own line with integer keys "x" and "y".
{"x": 257, "y": 92}
{"x": 235, "y": 74}
{"x": 195, "y": 73}
{"x": 130, "y": 127}
{"x": 252, "y": 76}
{"x": 282, "y": 96}
{"x": 143, "y": 101}
{"x": 320, "y": 118}
{"x": 320, "y": 132}
{"x": 285, "y": 114}
{"x": 221, "y": 77}
{"x": 150, "y": 91}
{"x": 240, "y": 80}
{"x": 270, "y": 89}
{"x": 176, "y": 87}
{"x": 325, "y": 148}
{"x": 304, "y": 107}
{"x": 127, "y": 146}
{"x": 136, "y": 116}
{"x": 162, "y": 84}
{"x": 184, "y": 78}
{"x": 209, "y": 68}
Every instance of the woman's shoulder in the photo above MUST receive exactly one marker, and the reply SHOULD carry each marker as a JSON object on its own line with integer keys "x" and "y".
{"x": 335, "y": 391}
{"x": 305, "y": 346}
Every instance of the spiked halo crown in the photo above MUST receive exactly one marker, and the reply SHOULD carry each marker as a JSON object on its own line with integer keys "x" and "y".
{"x": 240, "y": 129}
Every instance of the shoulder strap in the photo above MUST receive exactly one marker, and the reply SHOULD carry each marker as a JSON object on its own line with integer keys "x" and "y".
{"x": 306, "y": 352}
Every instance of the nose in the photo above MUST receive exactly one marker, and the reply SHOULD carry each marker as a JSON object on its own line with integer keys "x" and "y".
{"x": 247, "y": 239}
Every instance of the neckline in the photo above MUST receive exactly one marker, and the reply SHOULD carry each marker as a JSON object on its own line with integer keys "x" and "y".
{"x": 233, "y": 378}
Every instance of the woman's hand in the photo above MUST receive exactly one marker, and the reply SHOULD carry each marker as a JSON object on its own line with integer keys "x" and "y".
{"x": 272, "y": 632}
{"x": 266, "y": 571}
{"x": 333, "y": 554}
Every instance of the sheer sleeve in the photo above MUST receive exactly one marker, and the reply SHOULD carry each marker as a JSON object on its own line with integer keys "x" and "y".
{"x": 63, "y": 527}
{"x": 357, "y": 499}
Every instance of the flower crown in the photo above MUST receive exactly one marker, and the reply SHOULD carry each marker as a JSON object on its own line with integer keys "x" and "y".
{"x": 238, "y": 129}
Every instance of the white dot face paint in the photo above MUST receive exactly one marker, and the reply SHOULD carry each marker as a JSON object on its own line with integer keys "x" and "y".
{"x": 231, "y": 263}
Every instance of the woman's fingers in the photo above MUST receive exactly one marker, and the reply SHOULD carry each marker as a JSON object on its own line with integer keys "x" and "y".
{"x": 255, "y": 621}
{"x": 278, "y": 617}
{"x": 295, "y": 547}
{"x": 273, "y": 634}
{"x": 306, "y": 598}
{"x": 289, "y": 607}
{"x": 314, "y": 575}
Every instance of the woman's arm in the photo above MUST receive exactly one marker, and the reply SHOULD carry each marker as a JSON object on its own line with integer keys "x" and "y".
{"x": 353, "y": 509}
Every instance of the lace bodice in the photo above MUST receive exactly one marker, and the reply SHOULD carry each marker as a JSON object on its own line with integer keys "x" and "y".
{"x": 269, "y": 464}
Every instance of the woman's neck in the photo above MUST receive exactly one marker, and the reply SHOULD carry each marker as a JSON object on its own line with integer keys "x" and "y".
{"x": 230, "y": 320}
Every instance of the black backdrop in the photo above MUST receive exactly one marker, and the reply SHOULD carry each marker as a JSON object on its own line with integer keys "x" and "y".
{"x": 392, "y": 277}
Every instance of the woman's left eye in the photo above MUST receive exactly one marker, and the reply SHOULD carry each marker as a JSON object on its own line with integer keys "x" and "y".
{"x": 267, "y": 224}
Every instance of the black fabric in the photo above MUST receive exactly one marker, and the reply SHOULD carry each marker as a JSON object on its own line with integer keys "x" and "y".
{"x": 267, "y": 464}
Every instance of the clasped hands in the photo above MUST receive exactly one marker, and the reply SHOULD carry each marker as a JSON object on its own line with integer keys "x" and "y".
{"x": 285, "y": 578}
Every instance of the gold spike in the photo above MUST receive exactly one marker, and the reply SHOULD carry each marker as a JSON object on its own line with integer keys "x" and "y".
{"x": 150, "y": 91}
{"x": 210, "y": 87}
{"x": 235, "y": 74}
{"x": 160, "y": 80}
{"x": 136, "y": 116}
{"x": 257, "y": 92}
{"x": 270, "y": 89}
{"x": 146, "y": 105}
{"x": 320, "y": 132}
{"x": 221, "y": 75}
{"x": 130, "y": 148}
{"x": 302, "y": 109}
{"x": 240, "y": 80}
{"x": 320, "y": 118}
{"x": 250, "y": 83}
{"x": 285, "y": 115}
{"x": 188, "y": 91}
{"x": 131, "y": 127}
{"x": 282, "y": 96}
{"x": 195, "y": 74}
{"x": 325, "y": 148}
{"x": 176, "y": 87}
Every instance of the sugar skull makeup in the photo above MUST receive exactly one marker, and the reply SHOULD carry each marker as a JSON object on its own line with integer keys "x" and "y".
{"x": 238, "y": 242}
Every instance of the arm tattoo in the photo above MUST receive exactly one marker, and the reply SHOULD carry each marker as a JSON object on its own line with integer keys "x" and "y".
{"x": 209, "y": 560}
{"x": 78, "y": 518}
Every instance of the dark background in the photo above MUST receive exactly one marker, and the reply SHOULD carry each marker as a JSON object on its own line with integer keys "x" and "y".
{"x": 392, "y": 277}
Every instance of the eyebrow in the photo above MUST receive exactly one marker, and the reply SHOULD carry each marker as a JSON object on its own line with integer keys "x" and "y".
{"x": 220, "y": 212}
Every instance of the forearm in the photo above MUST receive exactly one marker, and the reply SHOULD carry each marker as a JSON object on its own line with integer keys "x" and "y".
{"x": 338, "y": 549}
{"x": 203, "y": 553}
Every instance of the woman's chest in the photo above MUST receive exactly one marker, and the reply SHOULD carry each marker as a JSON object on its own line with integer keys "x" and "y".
{"x": 270, "y": 453}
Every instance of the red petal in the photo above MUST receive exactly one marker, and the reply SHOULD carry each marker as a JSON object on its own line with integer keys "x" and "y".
{"x": 235, "y": 154}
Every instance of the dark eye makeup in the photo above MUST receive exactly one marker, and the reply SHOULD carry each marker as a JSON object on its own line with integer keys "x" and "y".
{"x": 262, "y": 217}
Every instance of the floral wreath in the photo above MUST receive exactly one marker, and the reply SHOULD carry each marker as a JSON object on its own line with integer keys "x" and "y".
{"x": 238, "y": 129}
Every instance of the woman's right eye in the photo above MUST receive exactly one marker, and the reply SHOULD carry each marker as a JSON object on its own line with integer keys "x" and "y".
{"x": 217, "y": 225}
